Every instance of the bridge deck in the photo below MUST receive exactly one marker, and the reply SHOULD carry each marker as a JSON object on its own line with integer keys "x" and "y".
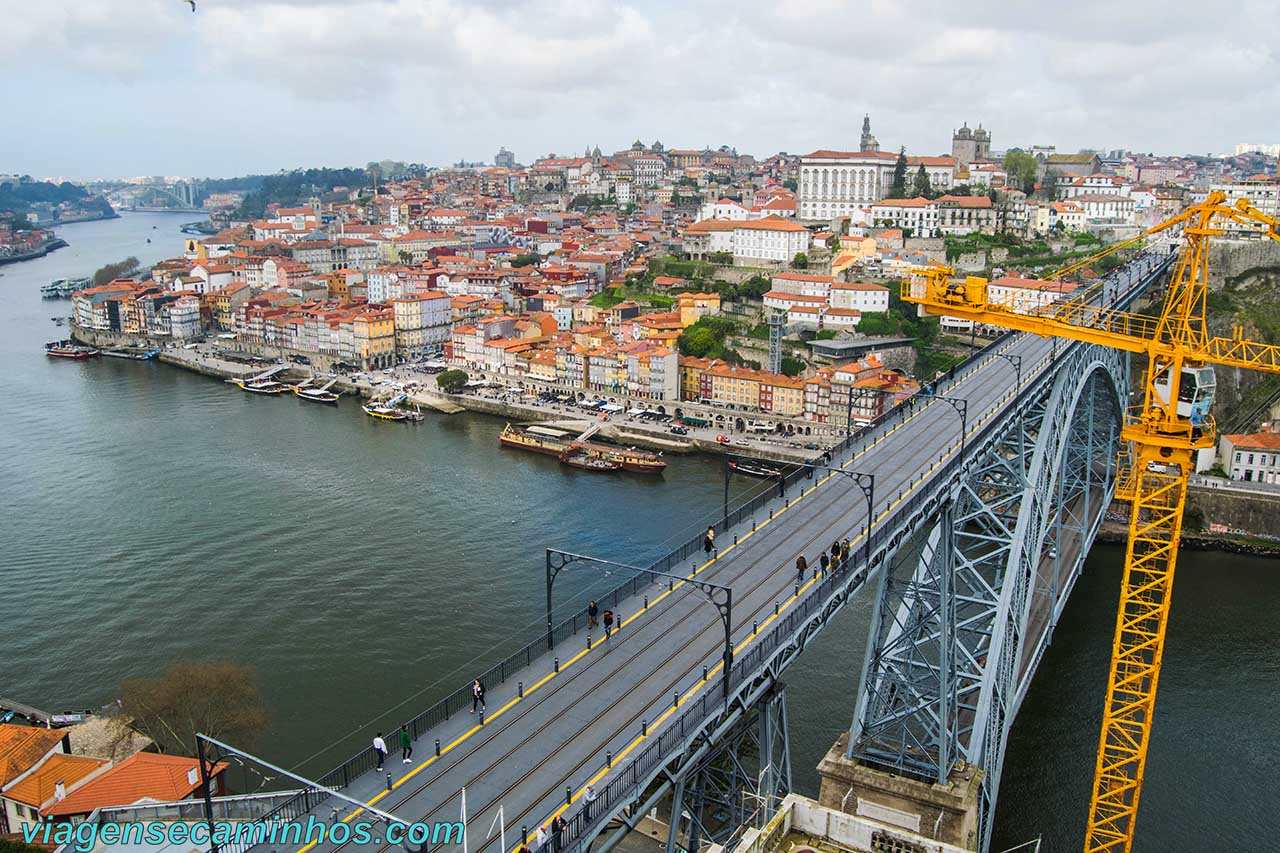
{"x": 556, "y": 737}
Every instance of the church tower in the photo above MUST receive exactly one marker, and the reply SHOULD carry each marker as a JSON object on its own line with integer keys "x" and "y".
{"x": 868, "y": 142}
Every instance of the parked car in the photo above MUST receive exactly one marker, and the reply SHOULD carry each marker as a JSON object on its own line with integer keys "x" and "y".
{"x": 723, "y": 439}
{"x": 812, "y": 446}
{"x": 679, "y": 430}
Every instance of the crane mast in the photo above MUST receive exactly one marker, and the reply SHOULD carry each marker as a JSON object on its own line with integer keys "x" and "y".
{"x": 1161, "y": 439}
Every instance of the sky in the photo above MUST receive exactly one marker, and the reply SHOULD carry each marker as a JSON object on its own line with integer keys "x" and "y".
{"x": 113, "y": 88}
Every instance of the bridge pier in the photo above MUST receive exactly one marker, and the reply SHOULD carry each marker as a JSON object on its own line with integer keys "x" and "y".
{"x": 943, "y": 811}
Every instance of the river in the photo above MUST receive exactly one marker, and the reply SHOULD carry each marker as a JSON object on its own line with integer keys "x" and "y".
{"x": 365, "y": 568}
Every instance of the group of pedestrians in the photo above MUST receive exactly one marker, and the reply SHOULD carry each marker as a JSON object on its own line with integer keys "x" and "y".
{"x": 594, "y": 616}
{"x": 837, "y": 559}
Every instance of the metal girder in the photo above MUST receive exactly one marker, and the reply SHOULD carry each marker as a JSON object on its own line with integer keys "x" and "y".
{"x": 954, "y": 635}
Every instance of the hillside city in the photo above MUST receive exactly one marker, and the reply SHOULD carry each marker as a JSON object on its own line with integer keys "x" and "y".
{"x": 653, "y": 273}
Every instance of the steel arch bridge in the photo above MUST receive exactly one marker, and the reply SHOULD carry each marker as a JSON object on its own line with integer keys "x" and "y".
{"x": 971, "y": 564}
{"x": 967, "y": 606}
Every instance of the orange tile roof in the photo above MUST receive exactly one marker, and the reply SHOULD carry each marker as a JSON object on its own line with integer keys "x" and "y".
{"x": 165, "y": 778}
{"x": 21, "y": 747}
{"x": 1268, "y": 441}
{"x": 38, "y": 787}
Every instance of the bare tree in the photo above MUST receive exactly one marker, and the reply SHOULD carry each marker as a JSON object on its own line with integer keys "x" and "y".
{"x": 216, "y": 698}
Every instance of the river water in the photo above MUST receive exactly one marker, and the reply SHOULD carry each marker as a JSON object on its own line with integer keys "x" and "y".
{"x": 366, "y": 568}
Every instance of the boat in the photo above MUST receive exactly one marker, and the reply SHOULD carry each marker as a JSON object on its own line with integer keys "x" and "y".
{"x": 317, "y": 395}
{"x": 753, "y": 470}
{"x": 562, "y": 445}
{"x": 137, "y": 355}
{"x": 70, "y": 349}
{"x": 385, "y": 412}
{"x": 591, "y": 462}
{"x": 62, "y": 288}
{"x": 546, "y": 440}
{"x": 263, "y": 386}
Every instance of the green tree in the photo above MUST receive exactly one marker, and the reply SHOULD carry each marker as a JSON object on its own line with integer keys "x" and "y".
{"x": 800, "y": 261}
{"x": 697, "y": 342}
{"x": 921, "y": 187}
{"x": 898, "y": 189}
{"x": 405, "y": 256}
{"x": 452, "y": 381}
{"x": 790, "y": 183}
{"x": 1022, "y": 169}
{"x": 216, "y": 698}
{"x": 111, "y": 272}
{"x": 754, "y": 287}
{"x": 531, "y": 259}
{"x": 792, "y": 366}
{"x": 721, "y": 257}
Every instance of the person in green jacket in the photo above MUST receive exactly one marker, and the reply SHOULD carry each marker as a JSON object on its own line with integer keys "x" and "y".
{"x": 406, "y": 744}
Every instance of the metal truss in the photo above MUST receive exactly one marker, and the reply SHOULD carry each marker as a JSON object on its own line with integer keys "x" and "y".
{"x": 740, "y": 781}
{"x": 966, "y": 606}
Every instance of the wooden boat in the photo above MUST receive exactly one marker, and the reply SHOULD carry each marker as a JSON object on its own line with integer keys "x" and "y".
{"x": 69, "y": 349}
{"x": 384, "y": 412}
{"x": 753, "y": 470}
{"x": 591, "y": 462}
{"x": 631, "y": 459}
{"x": 538, "y": 439}
{"x": 264, "y": 386}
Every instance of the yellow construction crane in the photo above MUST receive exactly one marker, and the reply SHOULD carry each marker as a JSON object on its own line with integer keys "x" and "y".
{"x": 1161, "y": 437}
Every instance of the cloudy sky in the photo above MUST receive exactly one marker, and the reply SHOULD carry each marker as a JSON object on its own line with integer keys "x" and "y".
{"x": 127, "y": 87}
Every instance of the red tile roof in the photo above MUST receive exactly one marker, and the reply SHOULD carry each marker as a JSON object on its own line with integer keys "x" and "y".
{"x": 164, "y": 778}
{"x": 21, "y": 747}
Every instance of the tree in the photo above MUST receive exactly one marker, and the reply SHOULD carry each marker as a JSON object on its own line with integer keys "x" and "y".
{"x": 1022, "y": 170}
{"x": 697, "y": 342}
{"x": 215, "y": 698}
{"x": 800, "y": 261}
{"x": 721, "y": 257}
{"x": 755, "y": 287}
{"x": 898, "y": 189}
{"x": 405, "y": 256}
{"x": 921, "y": 187}
{"x": 111, "y": 272}
{"x": 531, "y": 259}
{"x": 452, "y": 381}
{"x": 790, "y": 183}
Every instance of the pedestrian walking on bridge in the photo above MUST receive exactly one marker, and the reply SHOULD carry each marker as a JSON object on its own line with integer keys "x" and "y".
{"x": 608, "y": 624}
{"x": 709, "y": 541}
{"x": 380, "y": 747}
{"x": 477, "y": 696}
{"x": 801, "y": 565}
{"x": 593, "y": 610}
{"x": 844, "y": 551}
{"x": 406, "y": 745}
{"x": 835, "y": 555}
{"x": 824, "y": 561}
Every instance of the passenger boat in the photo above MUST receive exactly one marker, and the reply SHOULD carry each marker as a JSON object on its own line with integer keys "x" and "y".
{"x": 61, "y": 288}
{"x": 591, "y": 462}
{"x": 69, "y": 349}
{"x": 552, "y": 442}
{"x": 753, "y": 470}
{"x": 264, "y": 386}
{"x": 561, "y": 444}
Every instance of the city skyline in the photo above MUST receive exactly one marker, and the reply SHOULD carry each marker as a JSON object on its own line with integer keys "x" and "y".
{"x": 151, "y": 88}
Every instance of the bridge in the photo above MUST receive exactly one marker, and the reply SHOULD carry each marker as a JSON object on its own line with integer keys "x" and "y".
{"x": 969, "y": 512}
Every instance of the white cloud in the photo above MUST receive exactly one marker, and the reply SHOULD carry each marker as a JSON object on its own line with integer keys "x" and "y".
{"x": 436, "y": 80}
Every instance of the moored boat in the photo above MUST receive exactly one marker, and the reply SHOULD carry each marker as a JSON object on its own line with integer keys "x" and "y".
{"x": 62, "y": 288}
{"x": 138, "y": 355}
{"x": 263, "y": 386}
{"x": 384, "y": 412}
{"x": 753, "y": 470}
{"x": 546, "y": 440}
{"x": 590, "y": 462}
{"x": 70, "y": 349}
{"x": 317, "y": 395}
{"x": 631, "y": 459}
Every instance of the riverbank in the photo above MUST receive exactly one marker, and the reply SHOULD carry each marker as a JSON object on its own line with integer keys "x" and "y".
{"x": 51, "y": 246}
{"x": 1117, "y": 533}
{"x": 621, "y": 429}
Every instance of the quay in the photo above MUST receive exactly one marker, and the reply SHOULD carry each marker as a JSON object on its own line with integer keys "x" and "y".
{"x": 510, "y": 407}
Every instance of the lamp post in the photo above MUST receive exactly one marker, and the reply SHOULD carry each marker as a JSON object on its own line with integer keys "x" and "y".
{"x": 961, "y": 406}
{"x": 866, "y": 481}
{"x": 720, "y": 596}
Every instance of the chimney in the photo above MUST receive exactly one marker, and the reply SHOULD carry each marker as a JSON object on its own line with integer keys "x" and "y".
{"x": 59, "y": 792}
